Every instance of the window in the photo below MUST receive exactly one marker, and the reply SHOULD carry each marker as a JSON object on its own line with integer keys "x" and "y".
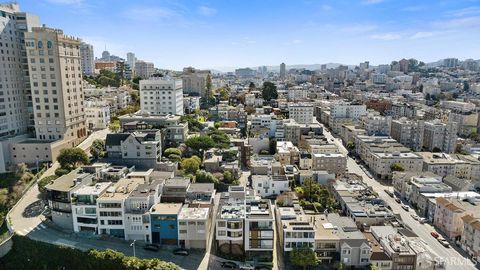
{"x": 40, "y": 44}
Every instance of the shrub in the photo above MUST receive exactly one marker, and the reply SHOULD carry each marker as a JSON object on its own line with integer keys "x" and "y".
{"x": 60, "y": 171}
{"x": 42, "y": 183}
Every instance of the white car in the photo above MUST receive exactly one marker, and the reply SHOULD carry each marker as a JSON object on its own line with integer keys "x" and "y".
{"x": 414, "y": 216}
{"x": 405, "y": 207}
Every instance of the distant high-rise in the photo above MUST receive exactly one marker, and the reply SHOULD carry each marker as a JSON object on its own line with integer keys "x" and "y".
{"x": 283, "y": 71}
{"x": 144, "y": 69}
{"x": 131, "y": 59}
{"x": 106, "y": 55}
{"x": 56, "y": 81}
{"x": 88, "y": 58}
{"x": 450, "y": 62}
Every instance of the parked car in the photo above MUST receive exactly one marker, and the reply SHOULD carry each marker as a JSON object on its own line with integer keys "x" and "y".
{"x": 151, "y": 247}
{"x": 414, "y": 216}
{"x": 434, "y": 234}
{"x": 389, "y": 192}
{"x": 443, "y": 242}
{"x": 263, "y": 267}
{"x": 422, "y": 220}
{"x": 398, "y": 200}
{"x": 247, "y": 267}
{"x": 230, "y": 265}
{"x": 405, "y": 207}
{"x": 180, "y": 251}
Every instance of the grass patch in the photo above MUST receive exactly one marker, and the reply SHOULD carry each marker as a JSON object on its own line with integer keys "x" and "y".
{"x": 30, "y": 254}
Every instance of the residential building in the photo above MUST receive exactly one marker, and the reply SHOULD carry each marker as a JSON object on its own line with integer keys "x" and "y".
{"x": 331, "y": 162}
{"x": 409, "y": 133}
{"x": 229, "y": 229}
{"x": 143, "y": 69}
{"x": 175, "y": 190}
{"x": 84, "y": 207}
{"x": 287, "y": 153}
{"x": 111, "y": 207}
{"x": 269, "y": 185}
{"x": 87, "y": 59}
{"x": 259, "y": 230}
{"x": 342, "y": 112}
{"x": 449, "y": 213}
{"x": 194, "y": 81}
{"x": 302, "y": 113}
{"x": 375, "y": 124}
{"x": 161, "y": 96}
{"x": 131, "y": 60}
{"x": 470, "y": 241}
{"x": 59, "y": 196}
{"x": 440, "y": 136}
{"x": 396, "y": 247}
{"x": 97, "y": 117}
{"x": 164, "y": 223}
{"x": 56, "y": 82}
{"x": 193, "y": 227}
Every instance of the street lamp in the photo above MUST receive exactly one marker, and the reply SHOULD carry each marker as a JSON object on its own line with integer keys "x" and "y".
{"x": 133, "y": 245}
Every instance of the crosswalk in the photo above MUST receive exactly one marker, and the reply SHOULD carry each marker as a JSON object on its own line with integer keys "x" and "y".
{"x": 31, "y": 229}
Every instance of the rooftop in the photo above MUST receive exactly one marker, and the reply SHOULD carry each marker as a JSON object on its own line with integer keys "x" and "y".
{"x": 166, "y": 208}
{"x": 193, "y": 213}
{"x": 67, "y": 182}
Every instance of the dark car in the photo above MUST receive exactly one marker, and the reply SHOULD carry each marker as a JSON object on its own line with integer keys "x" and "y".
{"x": 180, "y": 251}
{"x": 151, "y": 247}
{"x": 230, "y": 265}
{"x": 263, "y": 267}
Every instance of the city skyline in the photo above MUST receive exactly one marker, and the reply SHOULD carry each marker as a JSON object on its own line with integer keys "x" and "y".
{"x": 209, "y": 34}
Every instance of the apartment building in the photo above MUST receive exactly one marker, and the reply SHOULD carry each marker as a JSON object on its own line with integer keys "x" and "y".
{"x": 269, "y": 185}
{"x": 137, "y": 148}
{"x": 287, "y": 153}
{"x": 296, "y": 230}
{"x": 229, "y": 229}
{"x": 470, "y": 241}
{"x": 161, "y": 96}
{"x": 59, "y": 196}
{"x": 164, "y": 223}
{"x": 144, "y": 69}
{"x": 440, "y": 136}
{"x": 396, "y": 247}
{"x": 342, "y": 111}
{"x": 331, "y": 162}
{"x": 193, "y": 227}
{"x": 97, "y": 117}
{"x": 87, "y": 58}
{"x": 408, "y": 132}
{"x": 302, "y": 113}
{"x": 375, "y": 124}
{"x": 259, "y": 230}
{"x": 449, "y": 213}
{"x": 194, "y": 81}
{"x": 84, "y": 207}
{"x": 111, "y": 205}
{"x": 136, "y": 210}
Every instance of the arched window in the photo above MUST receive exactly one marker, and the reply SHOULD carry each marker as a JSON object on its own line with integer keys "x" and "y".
{"x": 49, "y": 44}
{"x": 40, "y": 44}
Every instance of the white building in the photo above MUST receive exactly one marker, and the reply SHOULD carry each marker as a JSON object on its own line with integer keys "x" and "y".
{"x": 269, "y": 185}
{"x": 144, "y": 69}
{"x": 131, "y": 60}
{"x": 441, "y": 136}
{"x": 302, "y": 113}
{"x": 88, "y": 58}
{"x": 98, "y": 117}
{"x": 259, "y": 227}
{"x": 342, "y": 111}
{"x": 84, "y": 207}
{"x": 193, "y": 227}
{"x": 161, "y": 96}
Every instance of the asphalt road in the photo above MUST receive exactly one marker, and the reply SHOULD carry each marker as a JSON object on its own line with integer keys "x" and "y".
{"x": 453, "y": 256}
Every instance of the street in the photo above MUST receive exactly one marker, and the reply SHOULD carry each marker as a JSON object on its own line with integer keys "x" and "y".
{"x": 453, "y": 255}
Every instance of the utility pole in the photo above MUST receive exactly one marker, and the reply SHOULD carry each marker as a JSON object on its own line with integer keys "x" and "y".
{"x": 133, "y": 245}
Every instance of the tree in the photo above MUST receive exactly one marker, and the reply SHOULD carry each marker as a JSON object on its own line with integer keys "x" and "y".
{"x": 70, "y": 158}
{"x": 269, "y": 91}
{"x": 98, "y": 148}
{"x": 224, "y": 93}
{"x": 251, "y": 86}
{"x": 191, "y": 165}
{"x": 221, "y": 140}
{"x": 396, "y": 167}
{"x": 303, "y": 257}
{"x": 436, "y": 150}
{"x": 114, "y": 126}
{"x": 172, "y": 151}
{"x": 272, "y": 146}
{"x": 205, "y": 177}
{"x": 201, "y": 142}
{"x": 228, "y": 177}
{"x": 466, "y": 86}
{"x": 350, "y": 146}
{"x": 208, "y": 85}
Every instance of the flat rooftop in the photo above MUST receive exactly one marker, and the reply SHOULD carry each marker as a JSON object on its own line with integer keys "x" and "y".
{"x": 66, "y": 183}
{"x": 166, "y": 208}
{"x": 92, "y": 189}
{"x": 193, "y": 213}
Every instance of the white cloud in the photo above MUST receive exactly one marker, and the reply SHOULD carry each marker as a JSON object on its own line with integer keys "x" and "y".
{"x": 206, "y": 11}
{"x": 464, "y": 11}
{"x": 372, "y": 2}
{"x": 459, "y": 23}
{"x": 297, "y": 41}
{"x": 386, "y": 36}
{"x": 359, "y": 28}
{"x": 420, "y": 35}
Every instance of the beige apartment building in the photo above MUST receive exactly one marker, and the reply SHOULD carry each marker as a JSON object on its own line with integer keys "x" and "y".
{"x": 449, "y": 213}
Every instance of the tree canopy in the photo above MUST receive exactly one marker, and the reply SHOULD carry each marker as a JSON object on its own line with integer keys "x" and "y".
{"x": 303, "y": 257}
{"x": 70, "y": 158}
{"x": 205, "y": 177}
{"x": 396, "y": 167}
{"x": 269, "y": 91}
{"x": 191, "y": 165}
{"x": 98, "y": 148}
{"x": 200, "y": 142}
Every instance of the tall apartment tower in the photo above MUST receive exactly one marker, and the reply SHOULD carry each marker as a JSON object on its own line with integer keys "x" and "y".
{"x": 56, "y": 82}
{"x": 87, "y": 58}
{"x": 16, "y": 113}
{"x": 283, "y": 70}
{"x": 131, "y": 60}
{"x": 160, "y": 96}
{"x": 144, "y": 69}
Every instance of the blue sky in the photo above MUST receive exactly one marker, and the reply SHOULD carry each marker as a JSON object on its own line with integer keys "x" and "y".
{"x": 238, "y": 33}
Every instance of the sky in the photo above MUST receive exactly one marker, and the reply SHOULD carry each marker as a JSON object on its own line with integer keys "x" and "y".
{"x": 223, "y": 34}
